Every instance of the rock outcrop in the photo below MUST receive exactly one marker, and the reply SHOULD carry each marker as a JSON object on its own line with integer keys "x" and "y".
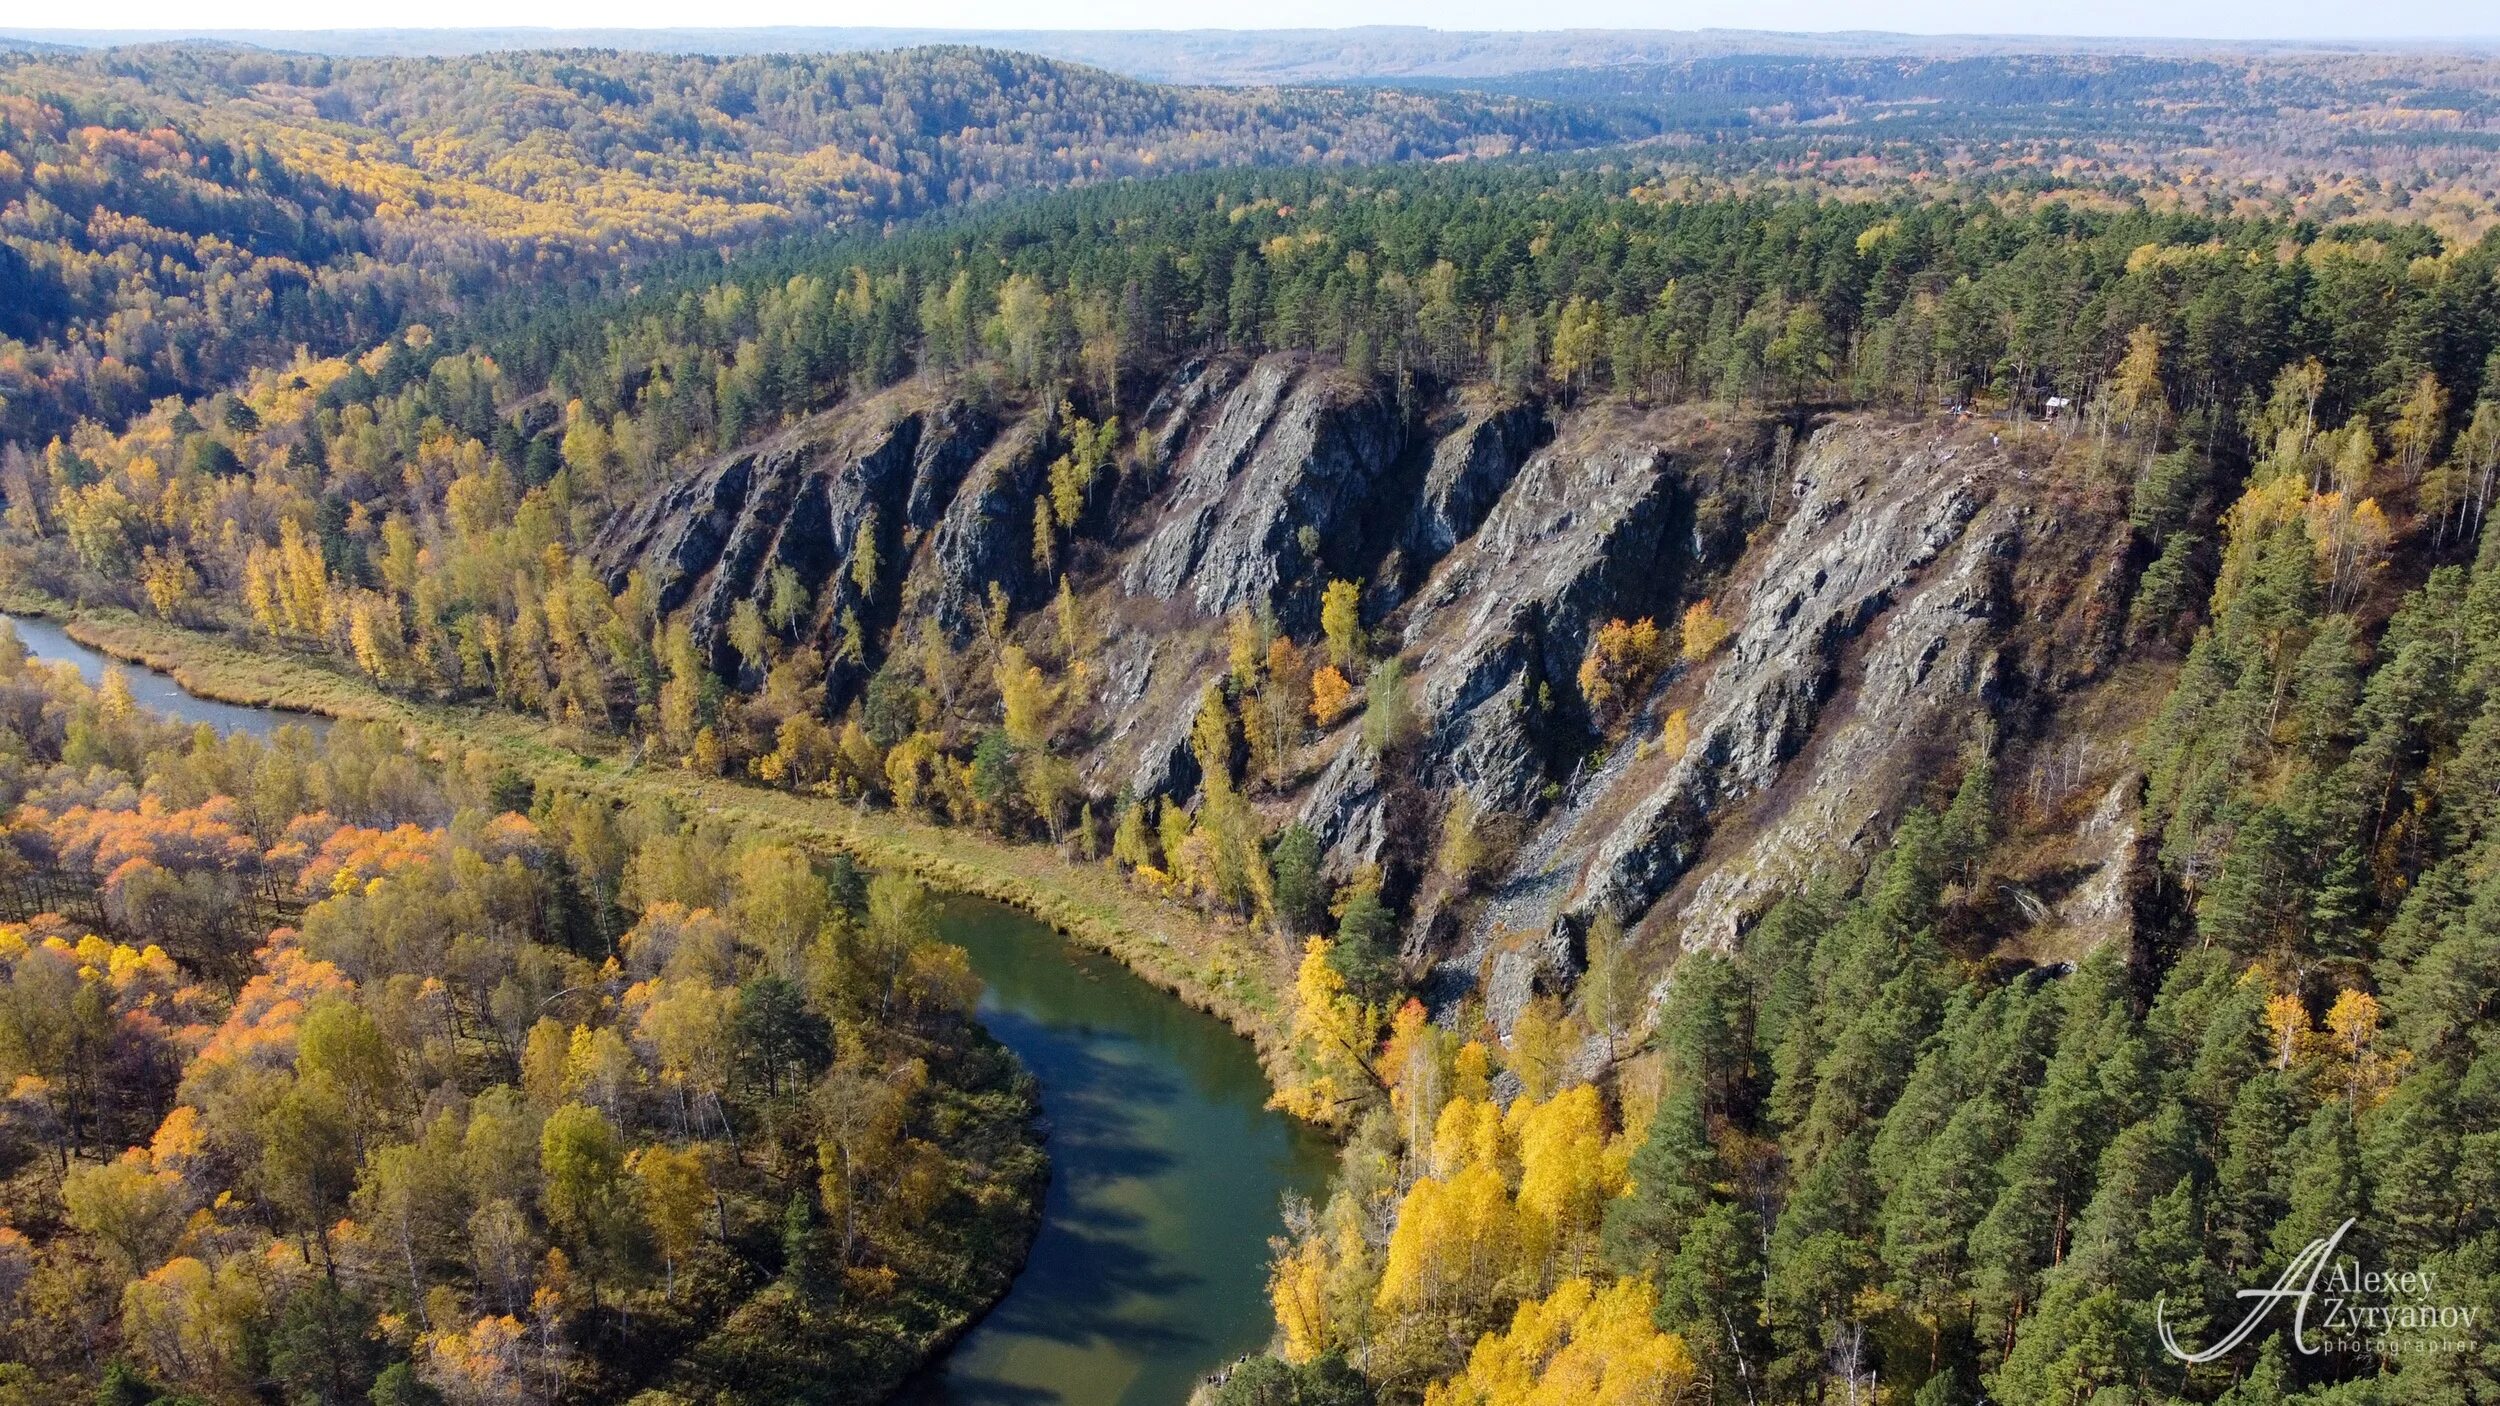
{"x": 675, "y": 535}
{"x": 1871, "y": 517}
{"x": 1895, "y": 590}
{"x": 1592, "y": 528}
{"x": 1270, "y": 495}
{"x": 1877, "y": 633}
{"x": 1471, "y": 465}
{"x": 984, "y": 532}
{"x": 805, "y": 500}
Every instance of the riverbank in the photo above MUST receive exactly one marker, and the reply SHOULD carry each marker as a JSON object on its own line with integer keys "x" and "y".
{"x": 1215, "y": 967}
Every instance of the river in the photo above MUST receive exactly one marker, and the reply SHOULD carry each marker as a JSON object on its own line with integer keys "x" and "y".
{"x": 1167, "y": 1167}
{"x": 1166, "y": 1172}
{"x": 152, "y": 690}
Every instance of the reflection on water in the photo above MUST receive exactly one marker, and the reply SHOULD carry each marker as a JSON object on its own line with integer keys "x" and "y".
{"x": 1166, "y": 1172}
{"x": 152, "y": 690}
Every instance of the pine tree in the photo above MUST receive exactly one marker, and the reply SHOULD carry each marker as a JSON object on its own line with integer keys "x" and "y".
{"x": 2027, "y": 1229}
{"x": 1300, "y": 893}
{"x": 1821, "y": 1259}
{"x": 1927, "y": 1220}
{"x": 1671, "y": 1178}
{"x": 2093, "y": 1324}
{"x": 1969, "y": 823}
{"x": 2423, "y": 1196}
{"x": 1365, "y": 952}
{"x": 2251, "y": 1181}
{"x": 1711, "y": 1293}
{"x": 2323, "y": 1186}
{"x": 1706, "y": 1033}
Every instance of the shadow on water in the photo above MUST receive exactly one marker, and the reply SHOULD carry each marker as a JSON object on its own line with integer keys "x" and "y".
{"x": 1167, "y": 1169}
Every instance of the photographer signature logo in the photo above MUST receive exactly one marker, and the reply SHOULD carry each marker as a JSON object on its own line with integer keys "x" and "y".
{"x": 2364, "y": 1309}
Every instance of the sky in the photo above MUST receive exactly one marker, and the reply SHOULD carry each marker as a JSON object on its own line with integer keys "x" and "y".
{"x": 2219, "y": 19}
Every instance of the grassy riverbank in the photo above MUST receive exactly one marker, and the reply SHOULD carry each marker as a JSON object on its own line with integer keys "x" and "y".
{"x": 1216, "y": 967}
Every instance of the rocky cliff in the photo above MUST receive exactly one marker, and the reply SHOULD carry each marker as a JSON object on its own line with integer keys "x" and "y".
{"x": 1900, "y": 595}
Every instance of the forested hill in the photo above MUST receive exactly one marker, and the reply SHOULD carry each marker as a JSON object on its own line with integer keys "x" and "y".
{"x": 2321, "y": 135}
{"x": 174, "y": 215}
{"x": 1846, "y": 791}
{"x": 171, "y": 216}
{"x": 1130, "y": 429}
{"x": 1238, "y": 56}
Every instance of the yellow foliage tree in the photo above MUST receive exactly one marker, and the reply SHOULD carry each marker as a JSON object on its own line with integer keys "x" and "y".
{"x": 1341, "y": 622}
{"x": 2415, "y": 434}
{"x": 1623, "y": 660}
{"x": 1675, "y": 735}
{"x": 1211, "y": 740}
{"x": 1467, "y": 1134}
{"x": 1045, "y": 539}
{"x": 2287, "y": 1024}
{"x": 673, "y": 1188}
{"x": 1331, "y": 1034}
{"x": 2354, "y": 1067}
{"x": 1331, "y": 695}
{"x": 1026, "y": 697}
{"x": 908, "y": 769}
{"x": 169, "y": 581}
{"x": 375, "y": 637}
{"x": 1416, "y": 1062}
{"x": 1704, "y": 631}
{"x": 1471, "y": 1072}
{"x": 1579, "y": 334}
{"x": 2135, "y": 392}
{"x": 196, "y": 1325}
{"x": 1579, "y": 1346}
{"x": 1568, "y": 1171}
{"x": 1540, "y": 1041}
{"x": 127, "y": 1206}
{"x": 1455, "y": 1246}
{"x": 1297, "y": 1288}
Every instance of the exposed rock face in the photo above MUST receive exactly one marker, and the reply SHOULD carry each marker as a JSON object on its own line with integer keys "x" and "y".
{"x": 1582, "y": 536}
{"x": 1878, "y": 628}
{"x": 1867, "y": 522}
{"x": 1470, "y": 468}
{"x": 1583, "y": 533}
{"x": 1343, "y": 808}
{"x": 675, "y": 535}
{"x": 985, "y": 532}
{"x": 1593, "y": 527}
{"x": 1180, "y": 406}
{"x": 801, "y": 500}
{"x": 1886, "y": 590}
{"x": 1932, "y": 661}
{"x": 1161, "y": 568}
{"x": 862, "y": 497}
{"x": 956, "y": 435}
{"x": 1267, "y": 495}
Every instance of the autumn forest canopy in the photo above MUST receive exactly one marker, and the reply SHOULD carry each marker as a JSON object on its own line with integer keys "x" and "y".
{"x": 1841, "y": 714}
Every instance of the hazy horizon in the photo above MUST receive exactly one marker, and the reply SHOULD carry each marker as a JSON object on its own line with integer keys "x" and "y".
{"x": 2217, "y": 21}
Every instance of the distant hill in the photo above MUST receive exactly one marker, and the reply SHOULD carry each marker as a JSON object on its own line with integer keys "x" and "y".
{"x": 1227, "y": 56}
{"x": 209, "y": 206}
{"x": 172, "y": 214}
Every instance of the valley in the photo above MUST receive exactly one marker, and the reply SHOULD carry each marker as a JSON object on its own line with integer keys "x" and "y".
{"x": 1829, "y": 713}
